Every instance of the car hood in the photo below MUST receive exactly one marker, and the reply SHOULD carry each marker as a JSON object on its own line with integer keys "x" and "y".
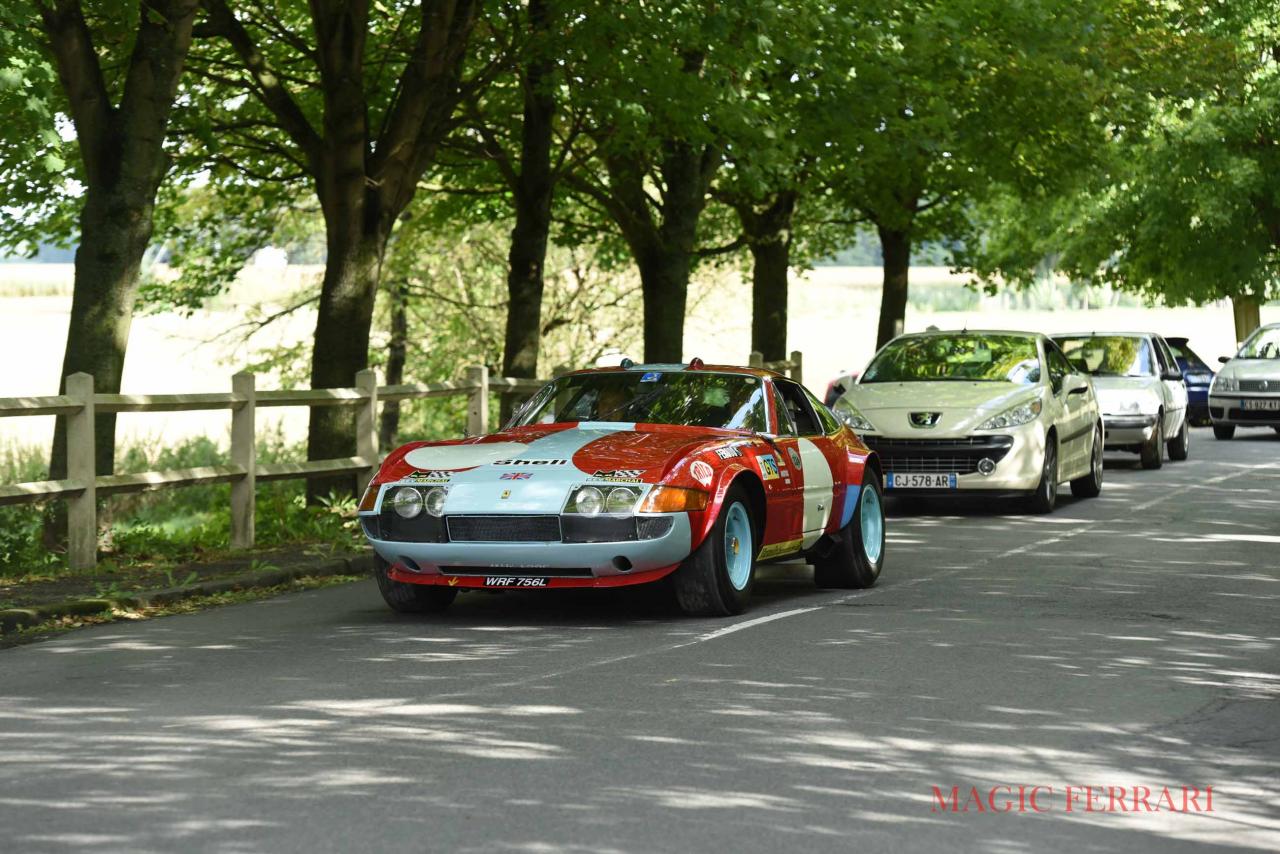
{"x": 1119, "y": 395}
{"x": 963, "y": 405}
{"x": 532, "y": 470}
{"x": 1252, "y": 369}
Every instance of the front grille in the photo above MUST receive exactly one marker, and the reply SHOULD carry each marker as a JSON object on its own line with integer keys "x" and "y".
{"x": 519, "y": 571}
{"x": 388, "y": 525}
{"x": 1253, "y": 414}
{"x": 504, "y": 529}
{"x": 598, "y": 529}
{"x": 1260, "y": 385}
{"x": 938, "y": 456}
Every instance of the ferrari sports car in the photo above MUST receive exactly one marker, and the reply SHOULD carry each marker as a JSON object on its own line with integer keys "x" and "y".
{"x": 1246, "y": 392}
{"x": 1140, "y": 389}
{"x": 619, "y": 476}
{"x": 1000, "y": 412}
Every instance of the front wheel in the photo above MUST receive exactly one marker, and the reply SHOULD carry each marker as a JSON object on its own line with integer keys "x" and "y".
{"x": 857, "y": 555}
{"x": 716, "y": 580}
{"x": 1224, "y": 431}
{"x": 1153, "y": 449}
{"x": 1045, "y": 497}
{"x": 1090, "y": 485}
{"x": 411, "y": 598}
{"x": 1180, "y": 445}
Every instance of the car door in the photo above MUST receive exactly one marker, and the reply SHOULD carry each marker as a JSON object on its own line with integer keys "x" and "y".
{"x": 1075, "y": 418}
{"x": 1172, "y": 391}
{"x": 809, "y": 456}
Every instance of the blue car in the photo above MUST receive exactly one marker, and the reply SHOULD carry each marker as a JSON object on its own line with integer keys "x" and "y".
{"x": 1198, "y": 376}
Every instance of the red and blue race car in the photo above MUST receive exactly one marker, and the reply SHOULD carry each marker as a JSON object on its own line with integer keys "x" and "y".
{"x": 622, "y": 476}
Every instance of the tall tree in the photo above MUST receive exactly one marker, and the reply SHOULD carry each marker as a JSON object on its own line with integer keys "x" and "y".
{"x": 363, "y": 141}
{"x": 118, "y": 68}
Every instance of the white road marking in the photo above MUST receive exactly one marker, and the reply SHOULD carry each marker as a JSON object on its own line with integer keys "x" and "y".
{"x": 755, "y": 621}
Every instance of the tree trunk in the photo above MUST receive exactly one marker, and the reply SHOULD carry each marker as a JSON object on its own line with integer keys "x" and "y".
{"x": 664, "y": 281}
{"x": 341, "y": 347}
{"x": 1248, "y": 316}
{"x": 533, "y": 191}
{"x": 896, "y": 246}
{"x": 768, "y": 234}
{"x": 397, "y": 353}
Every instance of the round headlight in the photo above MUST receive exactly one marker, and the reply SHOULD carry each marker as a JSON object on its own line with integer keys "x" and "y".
{"x": 589, "y": 500}
{"x": 435, "y": 501}
{"x": 407, "y": 502}
{"x": 620, "y": 500}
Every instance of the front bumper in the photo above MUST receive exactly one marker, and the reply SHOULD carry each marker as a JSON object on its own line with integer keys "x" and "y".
{"x": 553, "y": 564}
{"x": 1229, "y": 409}
{"x": 1127, "y": 430}
{"x": 1018, "y": 454}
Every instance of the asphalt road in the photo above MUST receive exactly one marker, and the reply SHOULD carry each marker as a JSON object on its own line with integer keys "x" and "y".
{"x": 1126, "y": 641}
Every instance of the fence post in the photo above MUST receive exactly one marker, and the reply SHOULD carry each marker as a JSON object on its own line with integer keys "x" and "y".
{"x": 244, "y": 453}
{"x": 756, "y": 359}
{"x": 367, "y": 427}
{"x": 796, "y": 373}
{"x": 82, "y": 508}
{"x": 478, "y": 407}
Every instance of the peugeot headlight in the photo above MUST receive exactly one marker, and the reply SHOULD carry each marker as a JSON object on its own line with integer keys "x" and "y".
{"x": 845, "y": 411}
{"x": 407, "y": 502}
{"x": 1221, "y": 383}
{"x": 1020, "y": 414}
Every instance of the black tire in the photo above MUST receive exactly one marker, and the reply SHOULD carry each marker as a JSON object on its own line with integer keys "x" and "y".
{"x": 1153, "y": 449}
{"x": 1090, "y": 485}
{"x": 1045, "y": 497}
{"x": 411, "y": 598}
{"x": 1224, "y": 431}
{"x": 846, "y": 564}
{"x": 1277, "y": 429}
{"x": 1180, "y": 445}
{"x": 702, "y": 584}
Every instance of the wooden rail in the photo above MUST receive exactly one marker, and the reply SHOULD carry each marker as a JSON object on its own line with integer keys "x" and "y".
{"x": 83, "y": 485}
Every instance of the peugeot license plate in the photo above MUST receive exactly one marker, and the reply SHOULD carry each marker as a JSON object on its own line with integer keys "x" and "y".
{"x": 920, "y": 481}
{"x": 1272, "y": 405}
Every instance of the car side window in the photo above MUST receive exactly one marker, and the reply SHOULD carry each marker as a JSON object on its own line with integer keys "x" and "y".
{"x": 826, "y": 417}
{"x": 1166, "y": 356}
{"x": 798, "y": 406}
{"x": 786, "y": 425}
{"x": 1059, "y": 367}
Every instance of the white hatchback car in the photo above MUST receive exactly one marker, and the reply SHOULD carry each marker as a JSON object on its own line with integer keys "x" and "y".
{"x": 1140, "y": 389}
{"x": 1003, "y": 413}
{"x": 1246, "y": 392}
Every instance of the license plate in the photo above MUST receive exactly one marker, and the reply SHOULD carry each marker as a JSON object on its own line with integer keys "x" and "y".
{"x": 920, "y": 481}
{"x": 1272, "y": 405}
{"x": 516, "y": 581}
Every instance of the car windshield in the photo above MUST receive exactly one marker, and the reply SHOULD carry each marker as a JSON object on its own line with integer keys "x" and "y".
{"x": 958, "y": 357}
{"x": 1185, "y": 354}
{"x": 1263, "y": 344}
{"x": 692, "y": 398}
{"x": 1110, "y": 355}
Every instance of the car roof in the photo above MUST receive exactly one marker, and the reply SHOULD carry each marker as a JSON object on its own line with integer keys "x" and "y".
{"x": 1014, "y": 332}
{"x": 1099, "y": 333}
{"x": 672, "y": 368}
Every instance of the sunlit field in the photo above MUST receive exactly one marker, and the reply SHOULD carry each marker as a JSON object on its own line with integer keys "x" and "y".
{"x": 832, "y": 321}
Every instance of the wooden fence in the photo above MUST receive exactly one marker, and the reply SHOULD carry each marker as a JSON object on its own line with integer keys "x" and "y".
{"x": 83, "y": 485}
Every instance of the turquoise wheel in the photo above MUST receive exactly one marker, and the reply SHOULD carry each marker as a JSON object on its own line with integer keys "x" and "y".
{"x": 872, "y": 521}
{"x": 738, "y": 551}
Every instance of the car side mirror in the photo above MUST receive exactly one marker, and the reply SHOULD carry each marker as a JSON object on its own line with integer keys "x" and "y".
{"x": 1224, "y": 359}
{"x": 1171, "y": 376}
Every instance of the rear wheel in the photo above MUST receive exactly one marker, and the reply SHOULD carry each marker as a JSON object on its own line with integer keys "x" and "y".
{"x": 1090, "y": 485}
{"x": 1224, "y": 431}
{"x": 1046, "y": 494}
{"x": 411, "y": 598}
{"x": 716, "y": 580}
{"x": 857, "y": 554}
{"x": 1180, "y": 445}
{"x": 1153, "y": 449}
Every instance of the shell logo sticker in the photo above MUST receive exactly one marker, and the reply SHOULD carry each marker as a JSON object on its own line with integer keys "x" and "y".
{"x": 768, "y": 467}
{"x": 702, "y": 472}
